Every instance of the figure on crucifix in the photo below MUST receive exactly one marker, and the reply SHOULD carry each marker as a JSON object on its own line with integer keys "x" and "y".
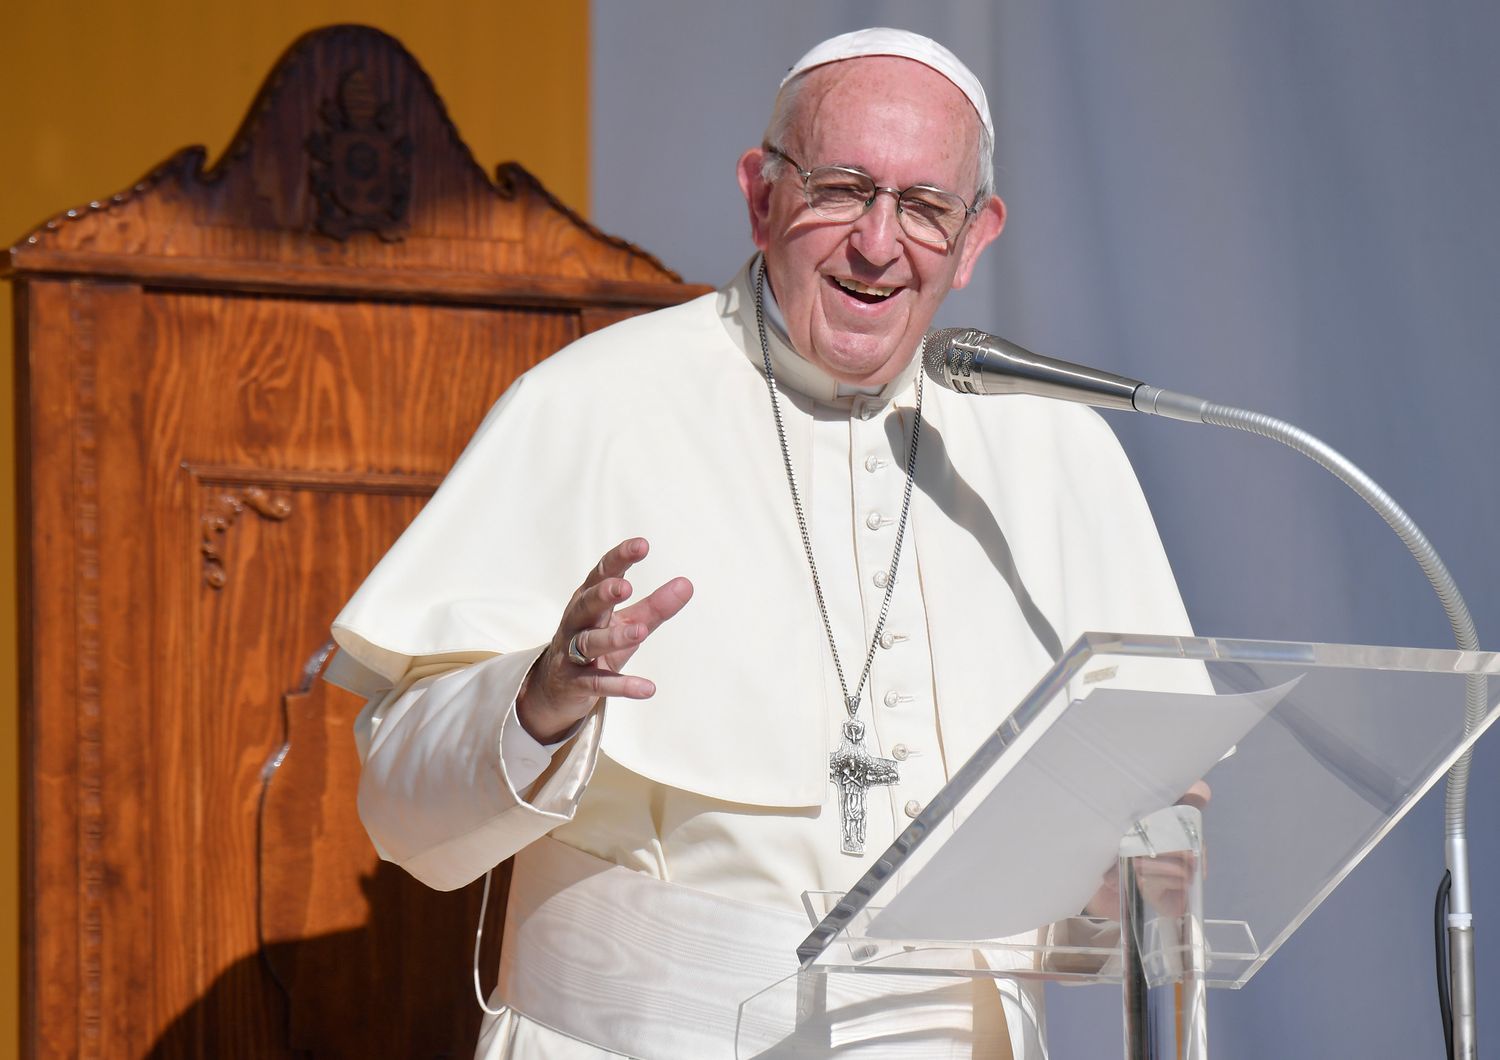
{"x": 854, "y": 769}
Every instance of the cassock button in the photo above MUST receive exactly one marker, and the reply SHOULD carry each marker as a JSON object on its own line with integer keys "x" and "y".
{"x": 913, "y": 808}
{"x": 873, "y": 463}
{"x": 873, "y": 520}
{"x": 900, "y": 752}
{"x": 892, "y": 698}
{"x": 881, "y": 577}
{"x": 868, "y": 410}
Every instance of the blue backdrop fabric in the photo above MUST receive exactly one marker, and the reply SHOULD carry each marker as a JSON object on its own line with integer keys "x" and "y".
{"x": 1277, "y": 204}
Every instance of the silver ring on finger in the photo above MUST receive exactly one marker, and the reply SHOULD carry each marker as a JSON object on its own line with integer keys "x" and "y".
{"x": 576, "y": 656}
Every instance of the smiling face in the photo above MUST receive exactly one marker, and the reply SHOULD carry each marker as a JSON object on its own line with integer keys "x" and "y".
{"x": 858, "y": 296}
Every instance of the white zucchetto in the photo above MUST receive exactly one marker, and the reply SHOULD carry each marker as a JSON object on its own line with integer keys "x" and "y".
{"x": 881, "y": 40}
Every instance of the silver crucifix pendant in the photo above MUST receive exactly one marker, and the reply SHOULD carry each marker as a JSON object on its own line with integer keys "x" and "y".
{"x": 853, "y": 769}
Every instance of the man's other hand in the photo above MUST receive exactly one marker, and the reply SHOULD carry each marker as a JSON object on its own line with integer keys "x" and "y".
{"x": 1163, "y": 880}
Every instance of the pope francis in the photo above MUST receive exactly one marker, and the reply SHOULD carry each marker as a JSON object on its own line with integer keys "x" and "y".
{"x": 674, "y": 765}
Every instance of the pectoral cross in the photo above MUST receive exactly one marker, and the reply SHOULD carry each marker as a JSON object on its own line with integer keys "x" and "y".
{"x": 853, "y": 769}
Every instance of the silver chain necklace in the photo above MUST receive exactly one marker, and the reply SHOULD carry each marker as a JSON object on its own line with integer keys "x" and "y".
{"x": 851, "y": 767}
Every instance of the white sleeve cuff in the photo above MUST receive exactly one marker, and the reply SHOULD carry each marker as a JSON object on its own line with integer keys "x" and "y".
{"x": 437, "y": 794}
{"x": 521, "y": 756}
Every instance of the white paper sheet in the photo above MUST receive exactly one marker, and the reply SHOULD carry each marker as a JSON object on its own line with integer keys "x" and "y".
{"x": 1035, "y": 848}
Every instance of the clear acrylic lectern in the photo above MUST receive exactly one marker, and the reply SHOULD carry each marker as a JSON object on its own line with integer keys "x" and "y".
{"x": 1310, "y": 753}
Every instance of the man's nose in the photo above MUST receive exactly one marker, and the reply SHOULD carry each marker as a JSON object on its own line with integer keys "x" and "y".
{"x": 877, "y": 232}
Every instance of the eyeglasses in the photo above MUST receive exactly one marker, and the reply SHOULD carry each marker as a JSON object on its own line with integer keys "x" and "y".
{"x": 840, "y": 193}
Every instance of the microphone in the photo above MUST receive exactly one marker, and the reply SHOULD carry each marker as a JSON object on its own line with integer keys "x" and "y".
{"x": 973, "y": 362}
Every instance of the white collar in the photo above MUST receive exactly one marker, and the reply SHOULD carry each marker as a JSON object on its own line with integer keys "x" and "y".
{"x": 793, "y": 371}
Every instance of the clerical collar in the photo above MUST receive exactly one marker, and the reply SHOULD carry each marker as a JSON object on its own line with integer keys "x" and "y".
{"x": 793, "y": 372}
{"x": 777, "y": 323}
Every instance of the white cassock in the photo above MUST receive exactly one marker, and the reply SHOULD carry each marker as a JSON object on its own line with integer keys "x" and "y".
{"x": 704, "y": 813}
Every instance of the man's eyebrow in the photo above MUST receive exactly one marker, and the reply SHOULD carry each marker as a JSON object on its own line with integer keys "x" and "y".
{"x": 937, "y": 185}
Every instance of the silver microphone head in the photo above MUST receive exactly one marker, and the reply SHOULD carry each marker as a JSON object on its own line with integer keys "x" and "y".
{"x": 973, "y": 362}
{"x": 948, "y": 356}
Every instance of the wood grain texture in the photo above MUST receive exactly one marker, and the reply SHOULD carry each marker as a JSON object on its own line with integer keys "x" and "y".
{"x": 260, "y": 203}
{"x": 426, "y": 285}
{"x": 51, "y": 895}
{"x": 229, "y": 409}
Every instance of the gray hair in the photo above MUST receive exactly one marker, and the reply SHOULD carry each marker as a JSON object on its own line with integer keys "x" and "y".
{"x": 785, "y": 110}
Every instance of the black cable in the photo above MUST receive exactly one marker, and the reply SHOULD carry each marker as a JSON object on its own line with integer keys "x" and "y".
{"x": 1440, "y": 948}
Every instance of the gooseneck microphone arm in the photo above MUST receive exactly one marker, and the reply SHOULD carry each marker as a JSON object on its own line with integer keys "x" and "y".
{"x": 973, "y": 362}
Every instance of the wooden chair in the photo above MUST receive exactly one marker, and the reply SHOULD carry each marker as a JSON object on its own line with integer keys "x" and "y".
{"x": 236, "y": 387}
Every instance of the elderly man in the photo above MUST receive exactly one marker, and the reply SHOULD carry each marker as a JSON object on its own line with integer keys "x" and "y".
{"x": 828, "y": 528}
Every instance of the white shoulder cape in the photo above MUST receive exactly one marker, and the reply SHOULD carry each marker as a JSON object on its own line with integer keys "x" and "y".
{"x": 1027, "y": 524}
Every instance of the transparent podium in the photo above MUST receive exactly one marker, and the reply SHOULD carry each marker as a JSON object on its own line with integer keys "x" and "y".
{"x": 1159, "y": 813}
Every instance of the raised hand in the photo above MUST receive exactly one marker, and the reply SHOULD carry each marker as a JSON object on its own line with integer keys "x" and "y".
{"x": 593, "y": 641}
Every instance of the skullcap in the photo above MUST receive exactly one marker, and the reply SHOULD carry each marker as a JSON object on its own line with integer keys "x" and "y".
{"x": 881, "y": 40}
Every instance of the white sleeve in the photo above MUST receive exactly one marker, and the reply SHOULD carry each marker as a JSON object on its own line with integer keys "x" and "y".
{"x": 522, "y": 758}
{"x": 446, "y": 764}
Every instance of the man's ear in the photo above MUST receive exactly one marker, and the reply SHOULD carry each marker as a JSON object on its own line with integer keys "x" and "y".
{"x": 981, "y": 233}
{"x": 757, "y": 191}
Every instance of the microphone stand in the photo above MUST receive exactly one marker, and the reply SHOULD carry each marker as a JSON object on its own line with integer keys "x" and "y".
{"x": 1159, "y": 402}
{"x": 973, "y": 362}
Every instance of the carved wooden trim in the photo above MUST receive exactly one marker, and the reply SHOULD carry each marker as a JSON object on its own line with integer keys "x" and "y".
{"x": 90, "y": 821}
{"x": 222, "y": 511}
{"x": 360, "y": 173}
{"x": 189, "y": 159}
{"x": 376, "y": 40}
{"x": 180, "y": 195}
{"x": 264, "y": 492}
{"x": 513, "y": 179}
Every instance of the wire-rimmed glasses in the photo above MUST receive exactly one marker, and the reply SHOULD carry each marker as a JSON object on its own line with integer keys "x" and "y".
{"x": 841, "y": 193}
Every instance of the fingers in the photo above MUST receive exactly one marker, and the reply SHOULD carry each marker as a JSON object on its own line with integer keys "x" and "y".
{"x": 1196, "y": 796}
{"x": 601, "y": 684}
{"x": 614, "y": 637}
{"x": 1164, "y": 880}
{"x": 560, "y": 689}
{"x": 648, "y": 614}
{"x": 592, "y": 605}
{"x": 558, "y": 693}
{"x": 605, "y": 588}
{"x": 618, "y": 560}
{"x": 1175, "y": 867}
{"x": 661, "y": 605}
{"x": 584, "y": 683}
{"x": 595, "y": 643}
